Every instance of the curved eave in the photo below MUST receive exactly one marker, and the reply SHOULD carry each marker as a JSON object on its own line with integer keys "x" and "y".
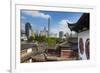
{"x": 72, "y": 27}
{"x": 81, "y": 25}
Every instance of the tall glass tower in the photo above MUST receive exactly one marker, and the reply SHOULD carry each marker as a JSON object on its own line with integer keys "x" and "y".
{"x": 28, "y": 30}
{"x": 48, "y": 27}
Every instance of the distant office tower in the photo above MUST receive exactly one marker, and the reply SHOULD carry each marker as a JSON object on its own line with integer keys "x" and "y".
{"x": 37, "y": 33}
{"x": 48, "y": 27}
{"x": 44, "y": 32}
{"x": 61, "y": 33}
{"x": 23, "y": 36}
{"x": 28, "y": 30}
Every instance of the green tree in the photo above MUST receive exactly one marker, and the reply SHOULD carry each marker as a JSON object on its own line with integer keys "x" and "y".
{"x": 30, "y": 39}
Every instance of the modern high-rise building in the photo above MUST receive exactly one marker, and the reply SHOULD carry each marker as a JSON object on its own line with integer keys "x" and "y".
{"x": 61, "y": 33}
{"x": 44, "y": 32}
{"x": 48, "y": 27}
{"x": 28, "y": 30}
{"x": 23, "y": 36}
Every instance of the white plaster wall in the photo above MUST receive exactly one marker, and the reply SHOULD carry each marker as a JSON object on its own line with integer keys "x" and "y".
{"x": 29, "y": 50}
{"x": 84, "y": 35}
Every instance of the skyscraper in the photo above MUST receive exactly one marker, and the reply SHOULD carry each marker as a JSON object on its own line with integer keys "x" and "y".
{"x": 28, "y": 30}
{"x": 44, "y": 32}
{"x": 61, "y": 34}
{"x": 48, "y": 27}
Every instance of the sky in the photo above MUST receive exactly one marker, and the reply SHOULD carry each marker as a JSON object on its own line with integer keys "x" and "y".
{"x": 58, "y": 20}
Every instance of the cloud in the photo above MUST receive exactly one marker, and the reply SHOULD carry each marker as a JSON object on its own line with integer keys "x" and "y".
{"x": 37, "y": 14}
{"x": 23, "y": 17}
{"x": 64, "y": 26}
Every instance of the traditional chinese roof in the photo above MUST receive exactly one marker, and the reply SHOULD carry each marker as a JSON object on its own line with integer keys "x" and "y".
{"x": 73, "y": 40}
{"x": 27, "y": 45}
{"x": 71, "y": 43}
{"x": 82, "y": 24}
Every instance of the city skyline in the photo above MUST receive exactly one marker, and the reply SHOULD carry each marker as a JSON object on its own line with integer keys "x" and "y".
{"x": 58, "y": 20}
